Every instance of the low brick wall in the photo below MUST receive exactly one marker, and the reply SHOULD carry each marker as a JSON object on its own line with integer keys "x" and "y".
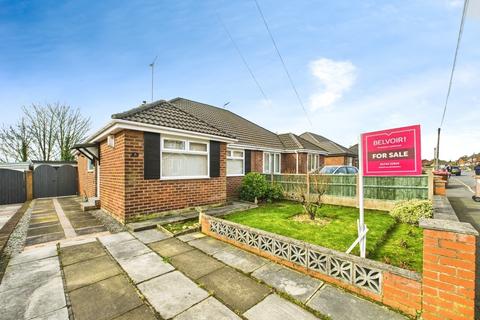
{"x": 445, "y": 290}
{"x": 392, "y": 286}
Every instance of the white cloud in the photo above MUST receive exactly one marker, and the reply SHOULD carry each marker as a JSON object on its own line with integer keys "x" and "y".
{"x": 336, "y": 78}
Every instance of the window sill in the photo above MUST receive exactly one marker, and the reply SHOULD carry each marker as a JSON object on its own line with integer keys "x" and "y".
{"x": 235, "y": 175}
{"x": 184, "y": 178}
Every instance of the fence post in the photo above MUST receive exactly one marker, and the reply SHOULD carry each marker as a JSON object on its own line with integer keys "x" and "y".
{"x": 430, "y": 185}
{"x": 29, "y": 184}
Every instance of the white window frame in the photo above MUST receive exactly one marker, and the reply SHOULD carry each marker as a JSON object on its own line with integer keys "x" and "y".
{"x": 231, "y": 157}
{"x": 185, "y": 151}
{"x": 272, "y": 163}
{"x": 92, "y": 162}
{"x": 316, "y": 162}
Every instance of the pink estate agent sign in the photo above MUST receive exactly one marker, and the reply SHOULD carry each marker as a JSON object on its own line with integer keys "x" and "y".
{"x": 392, "y": 152}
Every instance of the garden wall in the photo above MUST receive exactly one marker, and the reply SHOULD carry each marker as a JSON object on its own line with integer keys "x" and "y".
{"x": 445, "y": 290}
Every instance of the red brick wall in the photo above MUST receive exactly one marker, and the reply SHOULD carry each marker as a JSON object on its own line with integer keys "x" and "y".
{"x": 335, "y": 160}
{"x": 112, "y": 177}
{"x": 402, "y": 293}
{"x": 233, "y": 187}
{"x": 448, "y": 275}
{"x": 152, "y": 196}
{"x": 257, "y": 161}
{"x": 289, "y": 163}
{"x": 86, "y": 179}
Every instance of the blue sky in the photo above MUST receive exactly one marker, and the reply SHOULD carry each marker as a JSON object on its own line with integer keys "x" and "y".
{"x": 358, "y": 65}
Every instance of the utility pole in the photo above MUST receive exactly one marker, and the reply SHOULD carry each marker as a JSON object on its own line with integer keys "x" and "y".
{"x": 437, "y": 151}
{"x": 152, "y": 65}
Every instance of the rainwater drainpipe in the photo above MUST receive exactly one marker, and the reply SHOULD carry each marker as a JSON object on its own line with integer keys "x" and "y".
{"x": 296, "y": 163}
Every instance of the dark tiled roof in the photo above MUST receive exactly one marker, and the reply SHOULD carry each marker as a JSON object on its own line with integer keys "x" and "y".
{"x": 354, "y": 149}
{"x": 247, "y": 132}
{"x": 293, "y": 142}
{"x": 165, "y": 114}
{"x": 326, "y": 144}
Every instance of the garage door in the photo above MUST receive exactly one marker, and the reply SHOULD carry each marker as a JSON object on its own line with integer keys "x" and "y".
{"x": 12, "y": 186}
{"x": 52, "y": 181}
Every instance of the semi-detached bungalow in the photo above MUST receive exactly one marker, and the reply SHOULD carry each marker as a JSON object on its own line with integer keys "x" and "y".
{"x": 177, "y": 154}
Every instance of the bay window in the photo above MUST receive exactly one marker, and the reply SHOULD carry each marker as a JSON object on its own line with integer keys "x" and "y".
{"x": 313, "y": 162}
{"x": 235, "y": 162}
{"x": 184, "y": 159}
{"x": 271, "y": 161}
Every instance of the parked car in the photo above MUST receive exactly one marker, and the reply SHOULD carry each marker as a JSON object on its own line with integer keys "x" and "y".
{"x": 339, "y": 170}
{"x": 456, "y": 171}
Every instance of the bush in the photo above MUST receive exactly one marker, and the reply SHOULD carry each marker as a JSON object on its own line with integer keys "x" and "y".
{"x": 412, "y": 211}
{"x": 254, "y": 185}
{"x": 274, "y": 193}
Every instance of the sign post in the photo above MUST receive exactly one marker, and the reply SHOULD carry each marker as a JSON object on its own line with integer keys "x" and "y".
{"x": 391, "y": 152}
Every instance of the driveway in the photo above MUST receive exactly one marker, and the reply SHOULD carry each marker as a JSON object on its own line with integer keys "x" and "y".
{"x": 151, "y": 275}
{"x": 459, "y": 192}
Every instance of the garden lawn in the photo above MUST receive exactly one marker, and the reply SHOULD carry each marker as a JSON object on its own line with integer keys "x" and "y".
{"x": 383, "y": 239}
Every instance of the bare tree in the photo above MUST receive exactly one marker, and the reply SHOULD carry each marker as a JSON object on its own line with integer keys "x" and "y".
{"x": 15, "y": 142}
{"x": 72, "y": 128}
{"x": 310, "y": 194}
{"x": 42, "y": 127}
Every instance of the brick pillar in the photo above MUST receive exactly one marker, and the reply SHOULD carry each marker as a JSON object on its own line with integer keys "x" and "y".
{"x": 29, "y": 184}
{"x": 448, "y": 287}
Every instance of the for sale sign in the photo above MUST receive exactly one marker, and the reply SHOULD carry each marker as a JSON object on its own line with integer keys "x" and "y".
{"x": 392, "y": 152}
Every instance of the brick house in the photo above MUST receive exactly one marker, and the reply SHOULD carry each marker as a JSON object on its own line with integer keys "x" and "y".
{"x": 177, "y": 154}
{"x": 337, "y": 154}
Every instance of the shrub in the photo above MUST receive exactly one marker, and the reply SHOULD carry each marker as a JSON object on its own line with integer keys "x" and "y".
{"x": 274, "y": 193}
{"x": 254, "y": 185}
{"x": 412, "y": 211}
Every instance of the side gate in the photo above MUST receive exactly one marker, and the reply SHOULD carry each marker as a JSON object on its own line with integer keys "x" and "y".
{"x": 51, "y": 181}
{"x": 12, "y": 186}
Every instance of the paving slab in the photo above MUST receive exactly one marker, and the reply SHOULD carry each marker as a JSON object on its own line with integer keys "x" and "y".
{"x": 239, "y": 259}
{"x": 235, "y": 289}
{"x": 208, "y": 309}
{"x": 44, "y": 238}
{"x": 128, "y": 249}
{"x": 90, "y": 271}
{"x": 60, "y": 314}
{"x": 191, "y": 236}
{"x": 144, "y": 267}
{"x": 274, "y": 307}
{"x": 82, "y": 252}
{"x": 338, "y": 304}
{"x": 170, "y": 247}
{"x": 25, "y": 274}
{"x": 103, "y": 300}
{"x": 297, "y": 285}
{"x": 151, "y": 235}
{"x": 34, "y": 254}
{"x": 195, "y": 264}
{"x": 209, "y": 245}
{"x": 32, "y": 300}
{"x": 141, "y": 313}
{"x": 172, "y": 293}
{"x": 115, "y": 238}
{"x": 75, "y": 242}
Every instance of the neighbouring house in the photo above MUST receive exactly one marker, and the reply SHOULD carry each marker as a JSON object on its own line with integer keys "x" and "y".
{"x": 177, "y": 154}
{"x": 337, "y": 154}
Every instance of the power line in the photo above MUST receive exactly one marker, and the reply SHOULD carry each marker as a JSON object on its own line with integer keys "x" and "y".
{"x": 242, "y": 57}
{"x": 283, "y": 63}
{"x": 460, "y": 33}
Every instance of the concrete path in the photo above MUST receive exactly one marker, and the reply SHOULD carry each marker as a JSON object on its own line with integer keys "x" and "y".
{"x": 6, "y": 212}
{"x": 59, "y": 218}
{"x": 459, "y": 193}
{"x": 137, "y": 276}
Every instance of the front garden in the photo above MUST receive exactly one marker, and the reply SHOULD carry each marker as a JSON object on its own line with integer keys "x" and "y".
{"x": 335, "y": 227}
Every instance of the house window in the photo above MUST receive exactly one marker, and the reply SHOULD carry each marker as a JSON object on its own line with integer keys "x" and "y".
{"x": 349, "y": 161}
{"x": 313, "y": 162}
{"x": 271, "y": 161}
{"x": 90, "y": 165}
{"x": 184, "y": 159}
{"x": 235, "y": 162}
